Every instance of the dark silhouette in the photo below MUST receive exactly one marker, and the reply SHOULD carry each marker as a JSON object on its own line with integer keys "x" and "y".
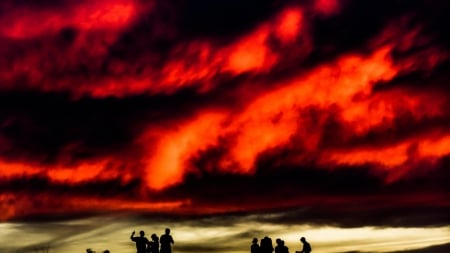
{"x": 154, "y": 244}
{"x": 141, "y": 242}
{"x": 285, "y": 248}
{"x": 166, "y": 241}
{"x": 266, "y": 245}
{"x": 281, "y": 248}
{"x": 306, "y": 246}
{"x": 255, "y": 246}
{"x": 106, "y": 251}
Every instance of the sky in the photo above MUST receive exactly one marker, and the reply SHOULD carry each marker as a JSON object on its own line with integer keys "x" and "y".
{"x": 225, "y": 120}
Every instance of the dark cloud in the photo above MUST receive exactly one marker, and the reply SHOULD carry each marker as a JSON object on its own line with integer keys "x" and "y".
{"x": 39, "y": 126}
{"x": 349, "y": 197}
{"x": 223, "y": 18}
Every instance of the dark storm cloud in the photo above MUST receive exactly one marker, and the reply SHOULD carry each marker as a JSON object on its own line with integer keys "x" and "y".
{"x": 360, "y": 212}
{"x": 348, "y": 197}
{"x": 358, "y": 21}
{"x": 223, "y": 18}
{"x": 38, "y": 126}
{"x": 41, "y": 185}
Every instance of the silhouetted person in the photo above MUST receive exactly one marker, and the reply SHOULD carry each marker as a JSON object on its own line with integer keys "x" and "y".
{"x": 141, "y": 242}
{"x": 255, "y": 246}
{"x": 278, "y": 248}
{"x": 266, "y": 245}
{"x": 166, "y": 241}
{"x": 285, "y": 248}
{"x": 154, "y": 244}
{"x": 106, "y": 251}
{"x": 306, "y": 246}
{"x": 281, "y": 248}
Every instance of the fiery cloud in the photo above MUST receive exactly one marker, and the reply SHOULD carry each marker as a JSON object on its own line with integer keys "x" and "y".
{"x": 137, "y": 105}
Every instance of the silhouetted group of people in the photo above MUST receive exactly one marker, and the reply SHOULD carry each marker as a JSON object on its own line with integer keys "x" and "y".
{"x": 266, "y": 246}
{"x": 156, "y": 245}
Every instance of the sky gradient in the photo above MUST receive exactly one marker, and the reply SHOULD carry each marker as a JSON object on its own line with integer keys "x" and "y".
{"x": 323, "y": 118}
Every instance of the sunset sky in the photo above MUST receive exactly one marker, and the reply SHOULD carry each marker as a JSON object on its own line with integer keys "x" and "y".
{"x": 225, "y": 120}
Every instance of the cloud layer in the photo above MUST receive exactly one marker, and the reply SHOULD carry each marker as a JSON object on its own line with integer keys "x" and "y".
{"x": 201, "y": 107}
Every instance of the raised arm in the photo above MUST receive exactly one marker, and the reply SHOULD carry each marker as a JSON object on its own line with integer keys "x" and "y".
{"x": 132, "y": 234}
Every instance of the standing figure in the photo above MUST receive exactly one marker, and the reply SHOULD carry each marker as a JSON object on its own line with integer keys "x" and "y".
{"x": 266, "y": 245}
{"x": 255, "y": 246}
{"x": 306, "y": 246}
{"x": 285, "y": 248}
{"x": 281, "y": 247}
{"x": 166, "y": 241}
{"x": 154, "y": 244}
{"x": 141, "y": 242}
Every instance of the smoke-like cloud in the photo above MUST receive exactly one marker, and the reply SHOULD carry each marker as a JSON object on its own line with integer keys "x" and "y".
{"x": 200, "y": 107}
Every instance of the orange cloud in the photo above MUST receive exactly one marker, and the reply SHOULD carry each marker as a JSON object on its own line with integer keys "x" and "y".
{"x": 291, "y": 23}
{"x": 274, "y": 117}
{"x": 169, "y": 149}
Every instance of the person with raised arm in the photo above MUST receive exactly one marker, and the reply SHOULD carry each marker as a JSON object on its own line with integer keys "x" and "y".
{"x": 141, "y": 241}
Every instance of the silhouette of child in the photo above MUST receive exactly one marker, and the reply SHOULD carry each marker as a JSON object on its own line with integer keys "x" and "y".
{"x": 154, "y": 244}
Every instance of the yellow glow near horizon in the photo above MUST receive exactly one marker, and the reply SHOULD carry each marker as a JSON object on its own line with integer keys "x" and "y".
{"x": 368, "y": 238}
{"x": 194, "y": 236}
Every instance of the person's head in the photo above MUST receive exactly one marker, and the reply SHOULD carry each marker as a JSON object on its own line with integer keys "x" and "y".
{"x": 303, "y": 239}
{"x": 255, "y": 240}
{"x": 167, "y": 231}
{"x": 278, "y": 241}
{"x": 154, "y": 237}
{"x": 142, "y": 233}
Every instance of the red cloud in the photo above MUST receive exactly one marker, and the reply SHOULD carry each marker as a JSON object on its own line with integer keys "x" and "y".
{"x": 266, "y": 93}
